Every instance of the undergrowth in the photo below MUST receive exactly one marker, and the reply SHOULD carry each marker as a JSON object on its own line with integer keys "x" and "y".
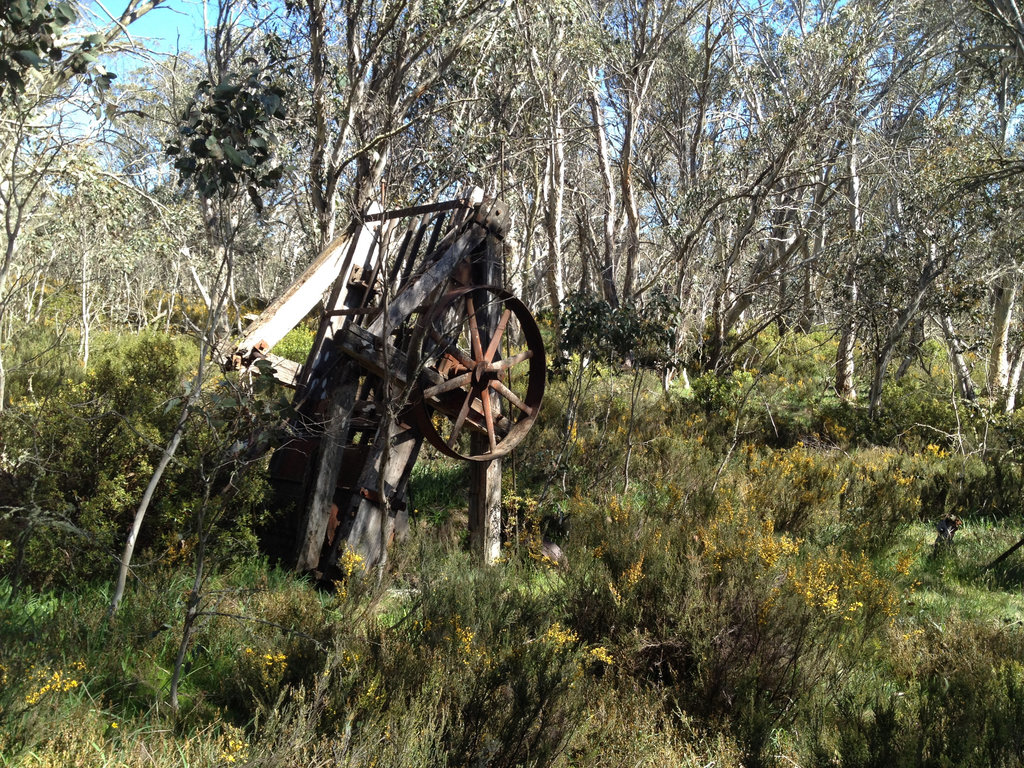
{"x": 752, "y": 579}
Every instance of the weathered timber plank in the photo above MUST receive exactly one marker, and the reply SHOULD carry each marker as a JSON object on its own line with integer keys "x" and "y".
{"x": 416, "y": 210}
{"x": 283, "y": 370}
{"x": 401, "y": 517}
{"x": 381, "y": 359}
{"x": 406, "y": 302}
{"x": 473, "y": 196}
{"x": 374, "y": 521}
{"x": 323, "y": 358}
{"x": 295, "y": 303}
{"x": 366, "y": 349}
{"x": 405, "y": 254}
{"x": 313, "y": 527}
{"x": 493, "y": 219}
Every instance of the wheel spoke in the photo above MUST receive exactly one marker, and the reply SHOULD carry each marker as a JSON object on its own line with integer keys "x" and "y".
{"x": 452, "y": 348}
{"x": 474, "y": 329}
{"x": 511, "y": 396}
{"x": 447, "y": 386}
{"x": 461, "y": 419}
{"x": 485, "y": 400}
{"x": 509, "y": 362}
{"x": 498, "y": 333}
{"x": 473, "y": 370}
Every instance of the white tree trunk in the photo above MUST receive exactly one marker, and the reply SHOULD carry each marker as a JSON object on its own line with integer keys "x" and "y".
{"x": 1005, "y": 290}
{"x": 601, "y": 139}
{"x": 847, "y": 340}
{"x": 964, "y": 384}
{"x": 555, "y": 194}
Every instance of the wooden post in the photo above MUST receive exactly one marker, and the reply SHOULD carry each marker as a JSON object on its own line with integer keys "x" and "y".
{"x": 380, "y": 485}
{"x": 485, "y": 477}
{"x": 313, "y": 528}
{"x": 295, "y": 303}
{"x": 485, "y": 506}
{"x": 322, "y": 381}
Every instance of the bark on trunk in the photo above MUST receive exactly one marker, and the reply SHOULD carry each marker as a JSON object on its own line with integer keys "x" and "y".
{"x": 964, "y": 384}
{"x": 601, "y": 139}
{"x": 1005, "y": 291}
{"x": 629, "y": 202}
{"x": 847, "y": 340}
{"x": 928, "y": 274}
{"x": 555, "y": 191}
{"x": 1010, "y": 404}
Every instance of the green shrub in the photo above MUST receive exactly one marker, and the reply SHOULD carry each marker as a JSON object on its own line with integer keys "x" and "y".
{"x": 77, "y": 460}
{"x": 297, "y": 343}
{"x": 76, "y": 463}
{"x": 956, "y": 699}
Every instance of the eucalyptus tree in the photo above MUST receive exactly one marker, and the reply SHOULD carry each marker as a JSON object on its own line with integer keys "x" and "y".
{"x": 640, "y": 38}
{"x": 1008, "y": 17}
{"x": 684, "y": 166}
{"x": 919, "y": 227}
{"x": 371, "y": 71}
{"x": 143, "y": 111}
{"x": 48, "y": 57}
{"x": 747, "y": 169}
{"x": 562, "y": 47}
{"x": 225, "y": 154}
{"x": 922, "y": 231}
{"x": 103, "y": 240}
{"x": 991, "y": 67}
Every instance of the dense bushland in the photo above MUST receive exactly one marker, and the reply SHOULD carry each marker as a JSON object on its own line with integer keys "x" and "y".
{"x": 751, "y": 579}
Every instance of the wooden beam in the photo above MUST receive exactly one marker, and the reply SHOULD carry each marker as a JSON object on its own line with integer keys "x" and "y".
{"x": 381, "y": 359}
{"x": 395, "y": 447}
{"x": 312, "y": 387}
{"x": 416, "y": 210}
{"x": 474, "y": 196}
{"x": 485, "y": 477}
{"x": 386, "y": 361}
{"x": 363, "y": 252}
{"x": 313, "y": 526}
{"x": 421, "y": 288}
{"x": 484, "y": 504}
{"x": 1005, "y": 555}
{"x": 488, "y": 219}
{"x": 294, "y": 304}
{"x": 284, "y": 371}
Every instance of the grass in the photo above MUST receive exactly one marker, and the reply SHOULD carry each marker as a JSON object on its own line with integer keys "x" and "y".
{"x": 955, "y": 579}
{"x": 761, "y": 592}
{"x": 437, "y": 488}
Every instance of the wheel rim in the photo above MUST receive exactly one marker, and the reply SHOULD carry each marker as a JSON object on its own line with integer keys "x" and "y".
{"x": 483, "y": 376}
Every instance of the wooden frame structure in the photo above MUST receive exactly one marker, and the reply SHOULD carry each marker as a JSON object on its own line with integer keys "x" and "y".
{"x": 416, "y": 340}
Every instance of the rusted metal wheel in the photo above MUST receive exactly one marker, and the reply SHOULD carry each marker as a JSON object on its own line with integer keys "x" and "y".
{"x": 483, "y": 373}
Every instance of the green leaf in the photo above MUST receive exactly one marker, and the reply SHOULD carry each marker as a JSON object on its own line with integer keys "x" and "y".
{"x": 28, "y": 58}
{"x": 271, "y": 103}
{"x": 215, "y": 149}
{"x": 225, "y": 90}
{"x": 104, "y": 80}
{"x": 64, "y": 13}
{"x": 257, "y": 202}
{"x": 19, "y": 11}
{"x": 234, "y": 156}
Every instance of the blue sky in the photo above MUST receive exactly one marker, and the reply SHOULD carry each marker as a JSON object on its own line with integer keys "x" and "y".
{"x": 173, "y": 25}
